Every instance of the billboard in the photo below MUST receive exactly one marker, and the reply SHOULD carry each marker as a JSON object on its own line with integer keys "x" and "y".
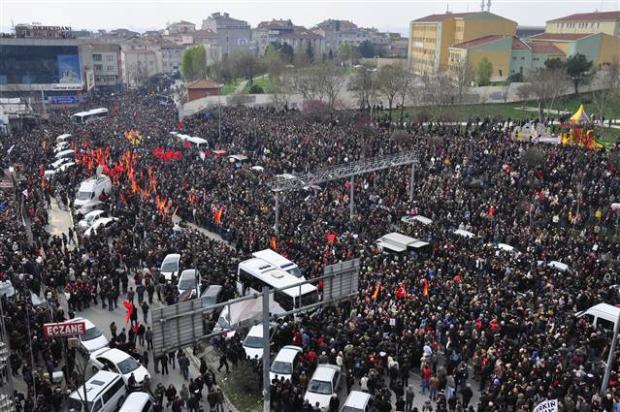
{"x": 55, "y": 330}
{"x": 25, "y": 67}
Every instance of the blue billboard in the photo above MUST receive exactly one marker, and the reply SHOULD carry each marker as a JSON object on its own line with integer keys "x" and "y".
{"x": 64, "y": 99}
{"x": 68, "y": 68}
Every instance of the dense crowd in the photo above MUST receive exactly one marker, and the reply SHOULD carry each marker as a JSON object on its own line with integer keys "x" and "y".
{"x": 464, "y": 310}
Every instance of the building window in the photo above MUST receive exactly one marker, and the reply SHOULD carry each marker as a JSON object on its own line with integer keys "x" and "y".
{"x": 96, "y": 57}
{"x": 500, "y": 73}
{"x": 110, "y": 68}
{"x": 98, "y": 67}
{"x": 109, "y": 57}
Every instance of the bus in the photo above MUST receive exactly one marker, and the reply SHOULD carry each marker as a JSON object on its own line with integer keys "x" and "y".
{"x": 253, "y": 274}
{"x": 89, "y": 115}
{"x": 279, "y": 261}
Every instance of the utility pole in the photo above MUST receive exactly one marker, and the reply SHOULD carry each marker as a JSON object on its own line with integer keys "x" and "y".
{"x": 266, "y": 353}
{"x": 277, "y": 225}
{"x": 219, "y": 119}
{"x": 351, "y": 200}
{"x": 412, "y": 187}
{"x": 611, "y": 358}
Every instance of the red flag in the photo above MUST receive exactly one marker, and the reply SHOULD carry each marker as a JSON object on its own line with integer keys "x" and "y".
{"x": 41, "y": 170}
{"x": 425, "y": 287}
{"x": 187, "y": 145}
{"x": 375, "y": 294}
{"x": 331, "y": 238}
{"x": 180, "y": 125}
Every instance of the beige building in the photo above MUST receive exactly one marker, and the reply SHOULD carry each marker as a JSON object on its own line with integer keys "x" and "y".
{"x": 430, "y": 37}
{"x": 139, "y": 61}
{"x": 607, "y": 22}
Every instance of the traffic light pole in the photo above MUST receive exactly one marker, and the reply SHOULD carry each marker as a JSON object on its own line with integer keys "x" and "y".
{"x": 266, "y": 352}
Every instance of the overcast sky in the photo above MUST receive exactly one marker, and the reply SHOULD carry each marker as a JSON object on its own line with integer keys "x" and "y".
{"x": 143, "y": 15}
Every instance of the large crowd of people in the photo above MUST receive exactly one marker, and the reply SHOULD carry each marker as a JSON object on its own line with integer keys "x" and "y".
{"x": 465, "y": 316}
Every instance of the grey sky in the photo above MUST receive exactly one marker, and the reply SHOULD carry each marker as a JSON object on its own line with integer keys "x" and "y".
{"x": 143, "y": 15}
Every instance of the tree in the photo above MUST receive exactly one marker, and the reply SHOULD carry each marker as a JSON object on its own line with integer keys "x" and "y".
{"x": 484, "y": 72}
{"x": 367, "y": 49}
{"x": 245, "y": 65}
{"x": 347, "y": 53}
{"x": 281, "y": 87}
{"x": 330, "y": 80}
{"x": 554, "y": 64}
{"x": 392, "y": 80}
{"x": 546, "y": 84}
{"x": 309, "y": 52}
{"x": 578, "y": 69}
{"x": 609, "y": 94}
{"x": 462, "y": 77}
{"x": 361, "y": 84}
{"x": 524, "y": 91}
{"x": 194, "y": 63}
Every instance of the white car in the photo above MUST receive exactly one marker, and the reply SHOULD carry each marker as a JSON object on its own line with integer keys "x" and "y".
{"x": 60, "y": 146}
{"x": 138, "y": 402}
{"x": 285, "y": 362}
{"x": 88, "y": 219}
{"x": 253, "y": 343}
{"x": 64, "y": 153}
{"x": 57, "y": 163}
{"x": 170, "y": 266}
{"x": 102, "y": 222}
{"x": 93, "y": 339}
{"x": 357, "y": 401}
{"x": 323, "y": 385}
{"x": 65, "y": 166}
{"x": 88, "y": 207}
{"x": 187, "y": 284}
{"x": 115, "y": 360}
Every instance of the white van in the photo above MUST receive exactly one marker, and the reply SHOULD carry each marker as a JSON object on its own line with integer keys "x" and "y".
{"x": 91, "y": 189}
{"x": 105, "y": 392}
{"x": 62, "y": 138}
{"x": 357, "y": 401}
{"x": 601, "y": 315}
{"x": 138, "y": 402}
{"x": 279, "y": 261}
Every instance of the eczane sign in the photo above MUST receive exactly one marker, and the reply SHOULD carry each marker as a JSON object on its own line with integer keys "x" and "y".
{"x": 56, "y": 330}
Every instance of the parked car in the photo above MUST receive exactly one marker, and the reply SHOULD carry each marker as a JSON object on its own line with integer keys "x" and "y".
{"x": 93, "y": 339}
{"x": 254, "y": 342}
{"x": 63, "y": 167}
{"x": 324, "y": 383}
{"x": 357, "y": 401}
{"x": 187, "y": 284}
{"x": 105, "y": 391}
{"x": 286, "y": 361}
{"x": 115, "y": 360}
{"x": 101, "y": 223}
{"x": 170, "y": 266}
{"x": 89, "y": 219}
{"x": 138, "y": 402}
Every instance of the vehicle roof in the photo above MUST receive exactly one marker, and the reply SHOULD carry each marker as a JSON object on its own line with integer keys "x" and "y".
{"x": 287, "y": 353}
{"x": 274, "y": 277}
{"x": 93, "y": 212}
{"x": 256, "y": 330}
{"x": 273, "y": 257}
{"x": 464, "y": 233}
{"x": 135, "y": 399}
{"x": 188, "y": 273}
{"x": 604, "y": 310}
{"x": 97, "y": 383}
{"x": 64, "y": 152}
{"x": 172, "y": 256}
{"x": 93, "y": 111}
{"x": 88, "y": 323}
{"x": 422, "y": 219}
{"x": 325, "y": 372}
{"x": 212, "y": 290}
{"x": 63, "y": 136}
{"x": 113, "y": 354}
{"x": 357, "y": 400}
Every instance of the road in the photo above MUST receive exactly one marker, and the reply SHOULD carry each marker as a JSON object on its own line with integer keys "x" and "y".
{"x": 59, "y": 223}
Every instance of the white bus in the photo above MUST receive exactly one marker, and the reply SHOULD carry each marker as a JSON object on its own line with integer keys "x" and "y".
{"x": 254, "y": 273}
{"x": 279, "y": 261}
{"x": 89, "y": 115}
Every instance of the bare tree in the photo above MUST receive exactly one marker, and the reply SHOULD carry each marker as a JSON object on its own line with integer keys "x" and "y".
{"x": 362, "y": 85}
{"x": 330, "y": 81}
{"x": 547, "y": 84}
{"x": 390, "y": 83}
{"x": 406, "y": 89}
{"x": 610, "y": 93}
{"x": 281, "y": 87}
{"x": 524, "y": 91}
{"x": 462, "y": 74}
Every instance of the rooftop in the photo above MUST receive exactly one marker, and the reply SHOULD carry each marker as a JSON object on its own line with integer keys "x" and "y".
{"x": 560, "y": 36}
{"x": 479, "y": 41}
{"x": 596, "y": 16}
{"x": 545, "y": 48}
{"x": 203, "y": 84}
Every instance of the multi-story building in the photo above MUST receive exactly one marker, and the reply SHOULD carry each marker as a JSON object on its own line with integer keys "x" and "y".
{"x": 107, "y": 65}
{"x": 38, "y": 31}
{"x": 171, "y": 56}
{"x": 607, "y": 22}
{"x": 600, "y": 48}
{"x": 523, "y": 32}
{"x": 139, "y": 61}
{"x": 181, "y": 27}
{"x": 508, "y": 55}
{"x": 232, "y": 34}
{"x": 430, "y": 37}
{"x": 302, "y": 39}
{"x": 268, "y": 32}
{"x": 337, "y": 32}
{"x": 49, "y": 66}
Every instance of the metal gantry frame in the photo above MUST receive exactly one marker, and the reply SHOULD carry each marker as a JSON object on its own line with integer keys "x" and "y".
{"x": 287, "y": 183}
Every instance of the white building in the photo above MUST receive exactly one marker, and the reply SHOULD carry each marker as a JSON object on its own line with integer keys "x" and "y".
{"x": 171, "y": 56}
{"x": 181, "y": 27}
{"x": 139, "y": 61}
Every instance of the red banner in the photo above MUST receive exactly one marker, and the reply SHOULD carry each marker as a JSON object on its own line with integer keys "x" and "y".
{"x": 56, "y": 330}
